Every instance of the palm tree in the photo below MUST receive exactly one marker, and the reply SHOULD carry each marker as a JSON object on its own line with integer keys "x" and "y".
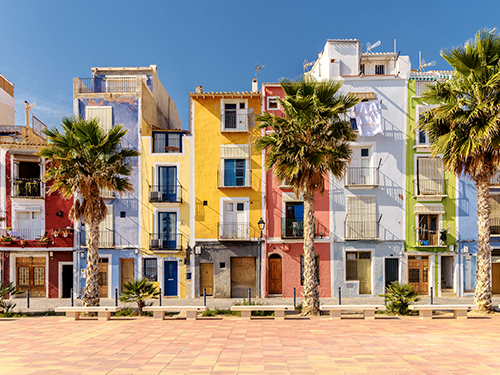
{"x": 311, "y": 141}
{"x": 465, "y": 130}
{"x": 139, "y": 291}
{"x": 81, "y": 162}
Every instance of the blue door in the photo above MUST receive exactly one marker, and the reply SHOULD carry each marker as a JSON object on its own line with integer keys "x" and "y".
{"x": 170, "y": 271}
{"x": 167, "y": 222}
{"x": 167, "y": 181}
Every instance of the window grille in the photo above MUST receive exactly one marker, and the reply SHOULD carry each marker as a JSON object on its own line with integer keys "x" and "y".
{"x": 150, "y": 269}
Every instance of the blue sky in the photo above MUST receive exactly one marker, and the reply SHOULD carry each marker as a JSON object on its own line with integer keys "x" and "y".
{"x": 44, "y": 44}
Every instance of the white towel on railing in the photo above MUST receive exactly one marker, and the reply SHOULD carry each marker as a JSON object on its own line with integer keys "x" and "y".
{"x": 368, "y": 118}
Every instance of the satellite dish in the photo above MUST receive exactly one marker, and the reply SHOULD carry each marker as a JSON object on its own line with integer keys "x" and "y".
{"x": 370, "y": 46}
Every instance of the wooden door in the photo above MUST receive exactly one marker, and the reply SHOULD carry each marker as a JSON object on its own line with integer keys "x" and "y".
{"x": 126, "y": 271}
{"x": 243, "y": 276}
{"x": 418, "y": 273}
{"x": 103, "y": 277}
{"x": 365, "y": 276}
{"x": 30, "y": 273}
{"x": 495, "y": 279}
{"x": 275, "y": 274}
{"x": 207, "y": 278}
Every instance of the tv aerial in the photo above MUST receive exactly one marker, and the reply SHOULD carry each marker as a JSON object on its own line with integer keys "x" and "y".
{"x": 422, "y": 64}
{"x": 258, "y": 68}
{"x": 370, "y": 46}
{"x": 307, "y": 64}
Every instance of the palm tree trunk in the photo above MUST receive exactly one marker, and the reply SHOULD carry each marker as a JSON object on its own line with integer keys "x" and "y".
{"x": 482, "y": 292}
{"x": 91, "y": 294}
{"x": 311, "y": 294}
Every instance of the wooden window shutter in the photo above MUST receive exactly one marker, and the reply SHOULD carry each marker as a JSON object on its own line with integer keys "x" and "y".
{"x": 103, "y": 114}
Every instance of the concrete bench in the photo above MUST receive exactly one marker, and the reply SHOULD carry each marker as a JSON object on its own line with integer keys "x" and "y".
{"x": 246, "y": 311}
{"x": 459, "y": 311}
{"x": 159, "y": 311}
{"x": 103, "y": 312}
{"x": 368, "y": 310}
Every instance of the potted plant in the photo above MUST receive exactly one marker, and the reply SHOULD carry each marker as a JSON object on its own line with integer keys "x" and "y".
{"x": 44, "y": 240}
{"x": 57, "y": 232}
{"x": 66, "y": 232}
{"x": 6, "y": 239}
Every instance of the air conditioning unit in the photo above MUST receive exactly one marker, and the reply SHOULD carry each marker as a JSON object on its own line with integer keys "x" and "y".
{"x": 155, "y": 195}
{"x": 155, "y": 244}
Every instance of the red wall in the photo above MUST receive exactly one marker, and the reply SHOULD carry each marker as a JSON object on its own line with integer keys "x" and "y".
{"x": 59, "y": 256}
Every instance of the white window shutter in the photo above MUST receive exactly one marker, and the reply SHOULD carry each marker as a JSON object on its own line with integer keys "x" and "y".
{"x": 103, "y": 114}
{"x": 430, "y": 176}
{"x": 235, "y": 152}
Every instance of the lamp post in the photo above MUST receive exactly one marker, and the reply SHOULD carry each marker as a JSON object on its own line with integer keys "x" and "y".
{"x": 261, "y": 225}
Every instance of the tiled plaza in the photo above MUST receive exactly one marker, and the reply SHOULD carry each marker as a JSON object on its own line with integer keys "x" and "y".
{"x": 52, "y": 345}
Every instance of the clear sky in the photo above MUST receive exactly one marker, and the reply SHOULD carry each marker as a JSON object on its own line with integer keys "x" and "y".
{"x": 216, "y": 44}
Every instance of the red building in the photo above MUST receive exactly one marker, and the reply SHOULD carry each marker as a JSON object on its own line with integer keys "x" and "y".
{"x": 36, "y": 246}
{"x": 285, "y": 227}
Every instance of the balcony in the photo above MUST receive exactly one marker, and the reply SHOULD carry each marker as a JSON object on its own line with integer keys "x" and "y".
{"x": 229, "y": 231}
{"x": 361, "y": 230}
{"x": 27, "y": 188}
{"x": 165, "y": 193}
{"x": 292, "y": 228}
{"x": 165, "y": 242}
{"x": 102, "y": 85}
{"x": 106, "y": 238}
{"x": 234, "y": 179}
{"x": 495, "y": 226}
{"x": 361, "y": 177}
{"x": 495, "y": 180}
{"x": 27, "y": 234}
{"x": 107, "y": 193}
{"x": 234, "y": 122}
{"x": 427, "y": 189}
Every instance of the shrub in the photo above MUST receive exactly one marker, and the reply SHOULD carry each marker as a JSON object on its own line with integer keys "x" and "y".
{"x": 254, "y": 313}
{"x": 126, "y": 311}
{"x": 49, "y": 312}
{"x": 398, "y": 298}
{"x": 139, "y": 291}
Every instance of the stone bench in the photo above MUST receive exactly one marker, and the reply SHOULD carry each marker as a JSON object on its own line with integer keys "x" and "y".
{"x": 368, "y": 310}
{"x": 246, "y": 311}
{"x": 159, "y": 311}
{"x": 103, "y": 312}
{"x": 459, "y": 311}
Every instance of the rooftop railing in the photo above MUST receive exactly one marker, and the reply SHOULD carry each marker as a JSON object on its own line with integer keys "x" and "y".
{"x": 98, "y": 85}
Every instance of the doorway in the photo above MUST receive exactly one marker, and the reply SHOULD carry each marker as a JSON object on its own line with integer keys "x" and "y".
{"x": 30, "y": 272}
{"x": 243, "y": 277}
{"x": 126, "y": 271}
{"x": 275, "y": 274}
{"x": 391, "y": 271}
{"x": 170, "y": 271}
{"x": 66, "y": 280}
{"x": 103, "y": 277}
{"x": 418, "y": 273}
{"x": 447, "y": 275}
{"x": 207, "y": 278}
{"x": 495, "y": 278}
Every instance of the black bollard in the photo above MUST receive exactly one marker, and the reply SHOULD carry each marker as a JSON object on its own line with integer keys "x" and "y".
{"x": 160, "y": 297}
{"x": 116, "y": 296}
{"x": 432, "y": 297}
{"x": 249, "y": 296}
{"x": 204, "y": 297}
{"x": 294, "y": 299}
{"x": 72, "y": 303}
{"x": 340, "y": 296}
{"x": 28, "y": 298}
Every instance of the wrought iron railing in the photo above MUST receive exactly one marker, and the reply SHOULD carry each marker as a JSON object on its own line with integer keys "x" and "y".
{"x": 292, "y": 228}
{"x": 429, "y": 186}
{"x": 98, "y": 85}
{"x": 234, "y": 179}
{"x": 167, "y": 142}
{"x": 165, "y": 241}
{"x": 107, "y": 193}
{"x": 362, "y": 176}
{"x": 495, "y": 226}
{"x": 361, "y": 229}
{"x": 165, "y": 193}
{"x": 27, "y": 234}
{"x": 106, "y": 238}
{"x": 232, "y": 122}
{"x": 234, "y": 231}
{"x": 27, "y": 188}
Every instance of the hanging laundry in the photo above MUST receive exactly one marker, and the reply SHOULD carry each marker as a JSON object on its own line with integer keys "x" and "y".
{"x": 368, "y": 118}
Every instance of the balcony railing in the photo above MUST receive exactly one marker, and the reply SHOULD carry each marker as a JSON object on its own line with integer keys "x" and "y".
{"x": 427, "y": 237}
{"x": 495, "y": 226}
{"x": 27, "y": 188}
{"x": 292, "y": 228}
{"x": 232, "y": 122}
{"x": 234, "y": 231}
{"x": 106, "y": 238}
{"x": 495, "y": 179}
{"x": 107, "y": 193}
{"x": 427, "y": 186}
{"x": 361, "y": 230}
{"x": 234, "y": 179}
{"x": 165, "y": 241}
{"x": 362, "y": 176}
{"x": 100, "y": 85}
{"x": 165, "y": 193}
{"x": 26, "y": 234}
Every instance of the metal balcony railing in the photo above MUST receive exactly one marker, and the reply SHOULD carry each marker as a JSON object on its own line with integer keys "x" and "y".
{"x": 232, "y": 122}
{"x": 27, "y": 234}
{"x": 234, "y": 231}
{"x": 362, "y": 176}
{"x": 292, "y": 228}
{"x": 361, "y": 229}
{"x": 165, "y": 241}
{"x": 27, "y": 188}
{"x": 165, "y": 193}
{"x": 428, "y": 186}
{"x": 106, "y": 238}
{"x": 495, "y": 226}
{"x": 98, "y": 85}
{"x": 427, "y": 237}
{"x": 495, "y": 179}
{"x": 107, "y": 193}
{"x": 234, "y": 179}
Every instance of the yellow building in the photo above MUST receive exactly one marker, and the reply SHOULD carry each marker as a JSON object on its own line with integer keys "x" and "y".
{"x": 166, "y": 209}
{"x": 226, "y": 185}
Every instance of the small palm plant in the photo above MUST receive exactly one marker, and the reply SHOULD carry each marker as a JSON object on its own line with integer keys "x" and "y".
{"x": 7, "y": 289}
{"x": 139, "y": 291}
{"x": 399, "y": 297}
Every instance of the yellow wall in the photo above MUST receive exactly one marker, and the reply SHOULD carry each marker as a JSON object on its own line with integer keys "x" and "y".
{"x": 148, "y": 161}
{"x": 208, "y": 139}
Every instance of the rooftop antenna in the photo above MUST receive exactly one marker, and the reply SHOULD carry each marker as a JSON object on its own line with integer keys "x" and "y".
{"x": 258, "y": 68}
{"x": 370, "y": 46}
{"x": 306, "y": 64}
{"x": 27, "y": 107}
{"x": 422, "y": 64}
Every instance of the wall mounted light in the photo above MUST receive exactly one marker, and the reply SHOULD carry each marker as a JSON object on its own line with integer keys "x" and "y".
{"x": 60, "y": 213}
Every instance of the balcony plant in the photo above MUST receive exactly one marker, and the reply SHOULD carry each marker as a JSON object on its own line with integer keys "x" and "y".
{"x": 44, "y": 240}
{"x": 6, "y": 239}
{"x": 57, "y": 232}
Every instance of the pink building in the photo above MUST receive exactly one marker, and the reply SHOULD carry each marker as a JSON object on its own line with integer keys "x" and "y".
{"x": 284, "y": 219}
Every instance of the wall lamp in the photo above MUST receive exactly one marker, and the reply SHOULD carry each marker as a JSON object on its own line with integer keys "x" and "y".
{"x": 261, "y": 224}
{"x": 60, "y": 213}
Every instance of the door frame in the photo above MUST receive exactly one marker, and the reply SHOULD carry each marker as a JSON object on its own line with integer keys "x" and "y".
{"x": 372, "y": 269}
{"x": 454, "y": 270}
{"x": 432, "y": 265}
{"x": 60, "y": 278}
{"x": 162, "y": 271}
{"x": 108, "y": 256}
{"x": 269, "y": 272}
{"x": 399, "y": 267}
{"x": 13, "y": 269}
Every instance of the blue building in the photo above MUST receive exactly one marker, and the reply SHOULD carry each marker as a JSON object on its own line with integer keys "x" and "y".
{"x": 135, "y": 98}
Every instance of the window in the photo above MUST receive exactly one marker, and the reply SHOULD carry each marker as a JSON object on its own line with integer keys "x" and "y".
{"x": 354, "y": 124}
{"x": 359, "y": 172}
{"x": 234, "y": 172}
{"x": 29, "y": 226}
{"x": 429, "y": 176}
{"x": 167, "y": 142}
{"x": 26, "y": 180}
{"x": 423, "y": 86}
{"x": 102, "y": 114}
{"x": 361, "y": 220}
{"x": 362, "y": 68}
{"x": 272, "y": 103}
{"x": 358, "y": 268}
{"x": 151, "y": 269}
{"x": 166, "y": 190}
{"x": 234, "y": 224}
{"x": 316, "y": 259}
{"x": 495, "y": 214}
{"x": 167, "y": 233}
{"x": 234, "y": 117}
{"x": 293, "y": 225}
{"x": 427, "y": 230}
{"x": 379, "y": 69}
{"x": 421, "y": 135}
{"x": 106, "y": 229}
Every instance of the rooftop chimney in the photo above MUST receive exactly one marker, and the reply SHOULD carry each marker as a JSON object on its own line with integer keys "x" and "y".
{"x": 199, "y": 89}
{"x": 255, "y": 86}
